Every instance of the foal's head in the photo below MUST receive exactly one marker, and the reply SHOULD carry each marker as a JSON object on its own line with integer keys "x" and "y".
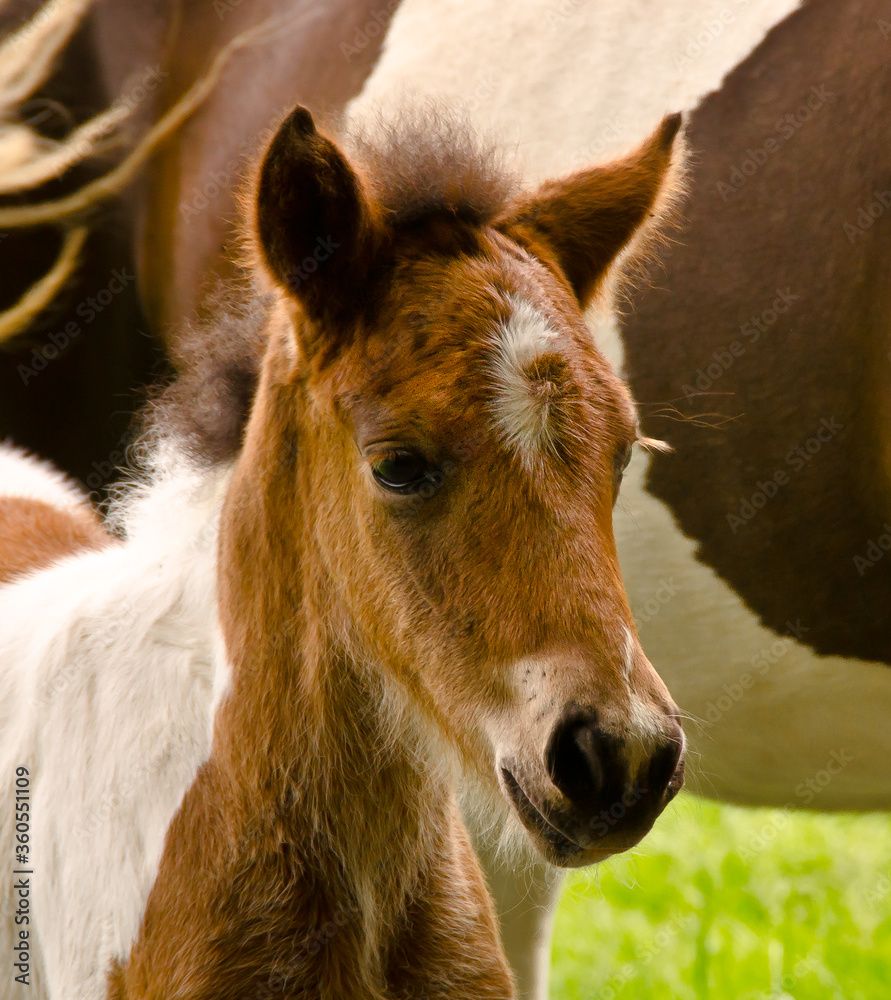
{"x": 459, "y": 448}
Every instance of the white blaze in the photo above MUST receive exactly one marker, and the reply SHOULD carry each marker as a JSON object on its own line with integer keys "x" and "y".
{"x": 521, "y": 408}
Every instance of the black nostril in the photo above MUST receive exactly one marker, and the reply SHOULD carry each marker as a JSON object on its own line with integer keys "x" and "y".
{"x": 666, "y": 769}
{"x": 575, "y": 758}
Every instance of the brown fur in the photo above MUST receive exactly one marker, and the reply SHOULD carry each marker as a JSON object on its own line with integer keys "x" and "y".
{"x": 35, "y": 534}
{"x": 371, "y": 635}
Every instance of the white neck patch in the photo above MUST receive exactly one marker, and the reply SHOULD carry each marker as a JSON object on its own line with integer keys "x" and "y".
{"x": 521, "y": 408}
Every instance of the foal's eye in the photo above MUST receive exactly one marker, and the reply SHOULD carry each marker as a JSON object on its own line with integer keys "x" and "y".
{"x": 623, "y": 460}
{"x": 402, "y": 471}
{"x": 620, "y": 464}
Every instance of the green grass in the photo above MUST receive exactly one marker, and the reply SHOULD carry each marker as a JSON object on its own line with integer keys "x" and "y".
{"x": 733, "y": 904}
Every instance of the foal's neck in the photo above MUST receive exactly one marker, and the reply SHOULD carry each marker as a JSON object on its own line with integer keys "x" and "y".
{"x": 305, "y": 724}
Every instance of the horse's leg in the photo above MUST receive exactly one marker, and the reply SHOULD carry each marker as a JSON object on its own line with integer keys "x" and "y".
{"x": 525, "y": 899}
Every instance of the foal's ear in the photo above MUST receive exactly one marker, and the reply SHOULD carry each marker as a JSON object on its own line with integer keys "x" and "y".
{"x": 315, "y": 226}
{"x": 585, "y": 220}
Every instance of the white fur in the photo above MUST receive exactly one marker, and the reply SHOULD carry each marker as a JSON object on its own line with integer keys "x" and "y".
{"x": 565, "y": 82}
{"x": 23, "y": 475}
{"x": 107, "y": 672}
{"x": 520, "y": 412}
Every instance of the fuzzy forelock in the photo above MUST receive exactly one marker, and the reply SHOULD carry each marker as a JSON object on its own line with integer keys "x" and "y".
{"x": 428, "y": 160}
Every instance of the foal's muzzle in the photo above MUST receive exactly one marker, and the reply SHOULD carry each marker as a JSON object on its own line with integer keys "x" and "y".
{"x": 598, "y": 802}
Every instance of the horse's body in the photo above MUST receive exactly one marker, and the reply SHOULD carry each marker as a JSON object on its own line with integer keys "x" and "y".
{"x": 239, "y": 728}
{"x": 786, "y": 436}
{"x": 775, "y": 700}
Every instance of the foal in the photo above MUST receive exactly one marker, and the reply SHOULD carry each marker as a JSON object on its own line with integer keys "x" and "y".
{"x": 415, "y": 572}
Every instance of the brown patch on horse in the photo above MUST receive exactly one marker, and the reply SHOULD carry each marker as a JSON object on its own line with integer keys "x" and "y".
{"x": 35, "y": 534}
{"x": 762, "y": 354}
{"x": 319, "y": 851}
{"x": 187, "y": 222}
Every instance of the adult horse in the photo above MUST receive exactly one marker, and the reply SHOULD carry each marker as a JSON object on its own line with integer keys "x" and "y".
{"x": 776, "y": 700}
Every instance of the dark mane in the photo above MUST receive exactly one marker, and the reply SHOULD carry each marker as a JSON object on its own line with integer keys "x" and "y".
{"x": 429, "y": 161}
{"x": 217, "y": 362}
